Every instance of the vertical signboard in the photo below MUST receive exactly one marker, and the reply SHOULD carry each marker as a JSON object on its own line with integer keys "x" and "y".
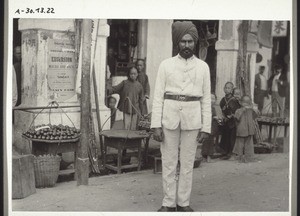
{"x": 279, "y": 28}
{"x": 62, "y": 67}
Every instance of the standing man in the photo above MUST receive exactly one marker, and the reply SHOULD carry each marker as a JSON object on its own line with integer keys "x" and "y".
{"x": 181, "y": 115}
{"x": 277, "y": 89}
{"x": 143, "y": 79}
{"x": 260, "y": 88}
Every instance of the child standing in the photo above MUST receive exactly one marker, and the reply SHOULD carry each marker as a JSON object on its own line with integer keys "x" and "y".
{"x": 208, "y": 144}
{"x": 112, "y": 106}
{"x": 245, "y": 116}
{"x": 131, "y": 99}
{"x": 229, "y": 105}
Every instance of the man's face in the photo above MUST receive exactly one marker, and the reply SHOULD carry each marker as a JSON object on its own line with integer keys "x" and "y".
{"x": 228, "y": 88}
{"x": 140, "y": 66}
{"x": 186, "y": 46}
{"x": 133, "y": 74}
{"x": 17, "y": 53}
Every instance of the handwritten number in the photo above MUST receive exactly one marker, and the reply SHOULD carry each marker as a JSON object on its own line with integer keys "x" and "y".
{"x": 50, "y": 10}
{"x": 38, "y": 10}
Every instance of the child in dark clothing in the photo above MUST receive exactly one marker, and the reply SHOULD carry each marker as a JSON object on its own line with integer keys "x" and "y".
{"x": 112, "y": 106}
{"x": 131, "y": 99}
{"x": 245, "y": 131}
{"x": 208, "y": 144}
{"x": 229, "y": 105}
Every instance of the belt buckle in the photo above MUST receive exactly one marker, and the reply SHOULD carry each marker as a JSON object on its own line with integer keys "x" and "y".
{"x": 181, "y": 97}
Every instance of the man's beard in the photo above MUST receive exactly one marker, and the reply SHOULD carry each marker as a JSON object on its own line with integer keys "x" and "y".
{"x": 186, "y": 53}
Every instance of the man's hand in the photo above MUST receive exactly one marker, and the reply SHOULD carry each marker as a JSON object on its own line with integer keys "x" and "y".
{"x": 202, "y": 136}
{"x": 158, "y": 134}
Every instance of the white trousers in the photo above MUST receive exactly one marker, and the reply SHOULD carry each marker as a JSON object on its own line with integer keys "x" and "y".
{"x": 178, "y": 193}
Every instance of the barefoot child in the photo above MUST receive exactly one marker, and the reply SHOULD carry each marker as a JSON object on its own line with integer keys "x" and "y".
{"x": 245, "y": 130}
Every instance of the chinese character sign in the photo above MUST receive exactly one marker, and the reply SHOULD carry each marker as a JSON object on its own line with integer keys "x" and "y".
{"x": 279, "y": 28}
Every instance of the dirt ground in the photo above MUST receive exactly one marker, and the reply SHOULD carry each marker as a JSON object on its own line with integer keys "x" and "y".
{"x": 218, "y": 186}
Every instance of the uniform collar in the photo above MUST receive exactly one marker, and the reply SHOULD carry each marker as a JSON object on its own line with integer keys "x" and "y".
{"x": 183, "y": 59}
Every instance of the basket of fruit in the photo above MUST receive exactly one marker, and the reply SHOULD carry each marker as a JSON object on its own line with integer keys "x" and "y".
{"x": 52, "y": 133}
{"x": 46, "y": 170}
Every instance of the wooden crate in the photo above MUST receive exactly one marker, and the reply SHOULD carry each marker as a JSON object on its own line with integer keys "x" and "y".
{"x": 23, "y": 182}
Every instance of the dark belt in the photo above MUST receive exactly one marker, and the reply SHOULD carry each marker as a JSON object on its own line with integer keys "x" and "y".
{"x": 181, "y": 97}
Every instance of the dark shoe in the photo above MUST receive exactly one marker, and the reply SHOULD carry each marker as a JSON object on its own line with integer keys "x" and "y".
{"x": 166, "y": 209}
{"x": 184, "y": 209}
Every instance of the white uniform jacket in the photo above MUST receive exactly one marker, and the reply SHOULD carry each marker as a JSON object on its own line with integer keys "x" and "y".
{"x": 189, "y": 77}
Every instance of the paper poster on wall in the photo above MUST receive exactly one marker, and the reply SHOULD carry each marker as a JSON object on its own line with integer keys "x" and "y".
{"x": 61, "y": 68}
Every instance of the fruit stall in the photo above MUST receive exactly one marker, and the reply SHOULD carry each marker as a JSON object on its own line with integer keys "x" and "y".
{"x": 273, "y": 123}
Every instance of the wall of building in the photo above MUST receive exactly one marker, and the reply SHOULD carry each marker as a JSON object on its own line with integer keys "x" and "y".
{"x": 159, "y": 47}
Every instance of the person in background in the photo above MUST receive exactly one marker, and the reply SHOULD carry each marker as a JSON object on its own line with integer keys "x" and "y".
{"x": 229, "y": 104}
{"x": 208, "y": 145}
{"x": 112, "y": 106}
{"x": 17, "y": 60}
{"x": 277, "y": 88}
{"x": 131, "y": 99}
{"x": 181, "y": 115}
{"x": 143, "y": 79}
{"x": 111, "y": 62}
{"x": 260, "y": 88}
{"x": 245, "y": 130}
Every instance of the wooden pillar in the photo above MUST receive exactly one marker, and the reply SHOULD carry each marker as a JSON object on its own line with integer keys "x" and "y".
{"x": 142, "y": 39}
{"x": 82, "y": 163}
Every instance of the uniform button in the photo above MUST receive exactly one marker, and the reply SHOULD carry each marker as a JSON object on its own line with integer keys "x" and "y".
{"x": 180, "y": 108}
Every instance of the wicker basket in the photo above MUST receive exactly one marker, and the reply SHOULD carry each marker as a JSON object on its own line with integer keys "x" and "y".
{"x": 46, "y": 169}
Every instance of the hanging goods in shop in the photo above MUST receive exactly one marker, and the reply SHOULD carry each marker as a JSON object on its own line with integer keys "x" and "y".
{"x": 52, "y": 133}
